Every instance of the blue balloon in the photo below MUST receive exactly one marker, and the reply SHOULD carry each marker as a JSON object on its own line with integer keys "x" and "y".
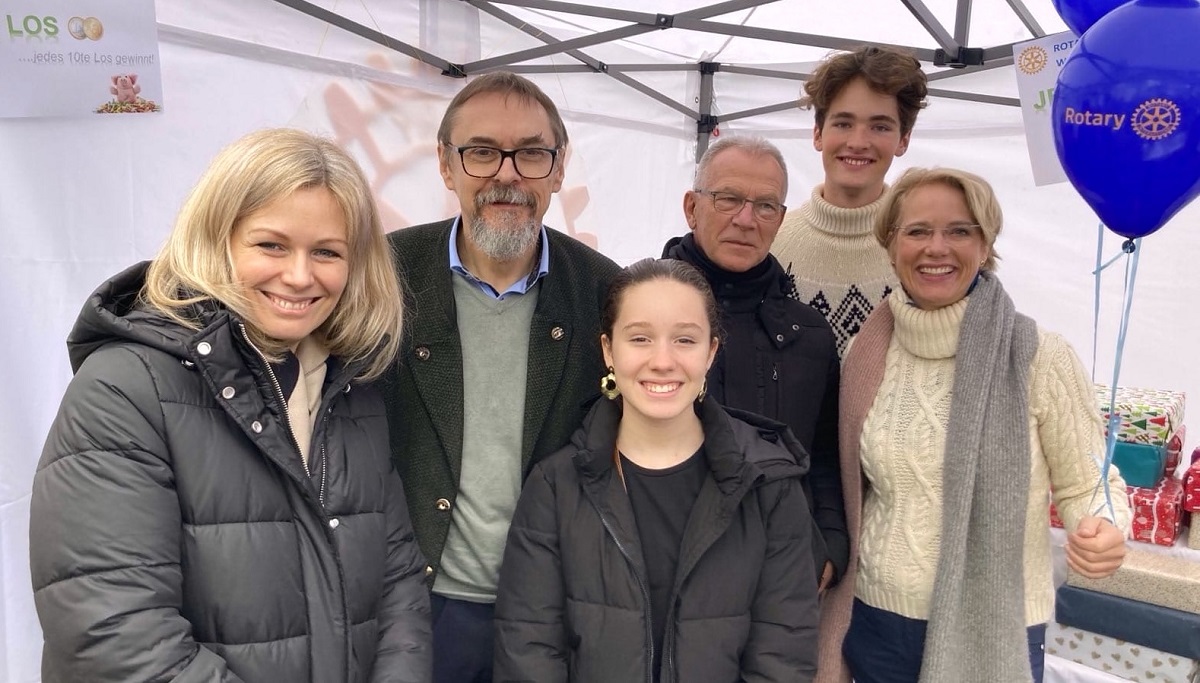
{"x": 1127, "y": 114}
{"x": 1081, "y": 14}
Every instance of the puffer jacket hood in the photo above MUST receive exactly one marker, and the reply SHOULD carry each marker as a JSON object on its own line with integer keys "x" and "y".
{"x": 112, "y": 313}
{"x": 739, "y": 445}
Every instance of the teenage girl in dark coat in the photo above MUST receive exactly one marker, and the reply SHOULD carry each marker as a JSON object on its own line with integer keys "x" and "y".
{"x": 671, "y": 541}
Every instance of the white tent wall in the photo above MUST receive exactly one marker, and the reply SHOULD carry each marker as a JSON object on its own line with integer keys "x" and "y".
{"x": 81, "y": 199}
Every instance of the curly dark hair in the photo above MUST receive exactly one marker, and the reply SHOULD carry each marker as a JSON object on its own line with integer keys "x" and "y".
{"x": 885, "y": 70}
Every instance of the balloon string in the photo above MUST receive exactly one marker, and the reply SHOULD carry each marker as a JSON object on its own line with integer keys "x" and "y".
{"x": 1114, "y": 417}
{"x": 1096, "y": 295}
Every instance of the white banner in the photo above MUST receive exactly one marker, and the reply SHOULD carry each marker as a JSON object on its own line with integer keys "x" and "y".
{"x": 78, "y": 58}
{"x": 1037, "y": 64}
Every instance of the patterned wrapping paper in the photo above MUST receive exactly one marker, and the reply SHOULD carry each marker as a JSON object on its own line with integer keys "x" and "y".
{"x": 1162, "y": 628}
{"x": 1191, "y": 487}
{"x": 1129, "y": 661}
{"x": 1157, "y": 512}
{"x": 1175, "y": 449}
{"x": 1147, "y": 415}
{"x": 1150, "y": 577}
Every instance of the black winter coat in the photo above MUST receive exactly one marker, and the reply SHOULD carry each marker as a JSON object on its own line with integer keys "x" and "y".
{"x": 779, "y": 359}
{"x": 573, "y": 602}
{"x": 175, "y": 536}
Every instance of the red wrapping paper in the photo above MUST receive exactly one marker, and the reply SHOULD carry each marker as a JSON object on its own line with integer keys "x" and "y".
{"x": 1175, "y": 449}
{"x": 1191, "y": 488}
{"x": 1157, "y": 512}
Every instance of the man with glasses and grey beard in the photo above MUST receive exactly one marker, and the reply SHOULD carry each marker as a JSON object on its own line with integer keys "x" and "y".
{"x": 501, "y": 357}
{"x": 779, "y": 357}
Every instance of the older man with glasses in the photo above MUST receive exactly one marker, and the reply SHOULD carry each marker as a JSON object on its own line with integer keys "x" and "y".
{"x": 501, "y": 357}
{"x": 779, "y": 357}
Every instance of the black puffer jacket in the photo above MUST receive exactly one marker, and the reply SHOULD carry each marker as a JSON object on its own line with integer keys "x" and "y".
{"x": 573, "y": 602}
{"x": 175, "y": 535}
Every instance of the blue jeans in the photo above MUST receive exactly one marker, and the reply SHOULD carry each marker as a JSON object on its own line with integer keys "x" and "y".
{"x": 884, "y": 647}
{"x": 462, "y": 640}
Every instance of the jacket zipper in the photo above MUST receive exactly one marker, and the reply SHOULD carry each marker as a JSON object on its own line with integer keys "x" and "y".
{"x": 645, "y": 594}
{"x": 288, "y": 421}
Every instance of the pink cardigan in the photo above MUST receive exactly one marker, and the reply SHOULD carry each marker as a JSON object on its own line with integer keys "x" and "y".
{"x": 862, "y": 375}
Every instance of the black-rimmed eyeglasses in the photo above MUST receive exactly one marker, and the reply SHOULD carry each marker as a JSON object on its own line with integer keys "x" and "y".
{"x": 730, "y": 203}
{"x": 532, "y": 163}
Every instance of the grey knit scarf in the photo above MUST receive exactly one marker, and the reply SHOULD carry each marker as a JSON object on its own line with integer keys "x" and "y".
{"x": 977, "y": 613}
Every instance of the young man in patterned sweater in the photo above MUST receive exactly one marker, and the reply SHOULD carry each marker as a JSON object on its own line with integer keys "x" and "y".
{"x": 866, "y": 103}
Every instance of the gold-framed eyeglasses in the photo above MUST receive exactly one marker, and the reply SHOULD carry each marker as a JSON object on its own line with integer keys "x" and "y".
{"x": 954, "y": 233}
{"x": 731, "y": 203}
{"x": 532, "y": 163}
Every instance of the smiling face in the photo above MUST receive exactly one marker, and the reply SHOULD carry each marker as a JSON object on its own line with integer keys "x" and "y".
{"x": 936, "y": 248}
{"x": 736, "y": 242}
{"x": 859, "y": 139}
{"x": 290, "y": 258}
{"x": 502, "y": 215}
{"x": 660, "y": 350}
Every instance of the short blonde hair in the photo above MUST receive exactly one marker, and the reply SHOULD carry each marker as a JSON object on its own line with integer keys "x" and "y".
{"x": 978, "y": 194}
{"x": 196, "y": 263}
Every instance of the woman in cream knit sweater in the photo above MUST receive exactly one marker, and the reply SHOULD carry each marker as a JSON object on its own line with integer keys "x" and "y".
{"x": 963, "y": 415}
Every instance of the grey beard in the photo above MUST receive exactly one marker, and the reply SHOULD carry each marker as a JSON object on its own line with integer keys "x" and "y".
{"x": 508, "y": 238}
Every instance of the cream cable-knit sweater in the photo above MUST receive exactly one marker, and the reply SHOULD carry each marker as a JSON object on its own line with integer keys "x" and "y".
{"x": 839, "y": 267}
{"x": 901, "y": 527}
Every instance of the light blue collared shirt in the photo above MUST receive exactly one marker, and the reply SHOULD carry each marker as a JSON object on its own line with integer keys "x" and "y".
{"x": 518, "y": 287}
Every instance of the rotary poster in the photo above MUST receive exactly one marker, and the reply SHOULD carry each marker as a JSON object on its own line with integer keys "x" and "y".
{"x": 1037, "y": 65}
{"x": 78, "y": 58}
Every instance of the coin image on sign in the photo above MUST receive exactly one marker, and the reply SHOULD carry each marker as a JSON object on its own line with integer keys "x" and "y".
{"x": 92, "y": 28}
{"x": 75, "y": 28}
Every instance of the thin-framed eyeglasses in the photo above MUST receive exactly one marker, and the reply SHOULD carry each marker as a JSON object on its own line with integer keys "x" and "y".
{"x": 532, "y": 163}
{"x": 954, "y": 233}
{"x": 730, "y": 203}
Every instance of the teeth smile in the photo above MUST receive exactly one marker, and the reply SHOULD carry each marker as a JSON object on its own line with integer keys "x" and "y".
{"x": 661, "y": 388}
{"x": 287, "y": 305}
{"x": 857, "y": 162}
{"x": 940, "y": 270}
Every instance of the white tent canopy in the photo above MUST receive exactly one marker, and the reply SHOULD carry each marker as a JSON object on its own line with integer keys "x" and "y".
{"x": 81, "y": 199}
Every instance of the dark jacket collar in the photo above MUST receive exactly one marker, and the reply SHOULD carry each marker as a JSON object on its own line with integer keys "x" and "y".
{"x": 743, "y": 449}
{"x": 767, "y": 279}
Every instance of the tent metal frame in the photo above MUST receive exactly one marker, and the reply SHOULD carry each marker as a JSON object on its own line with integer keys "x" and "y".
{"x": 954, "y": 52}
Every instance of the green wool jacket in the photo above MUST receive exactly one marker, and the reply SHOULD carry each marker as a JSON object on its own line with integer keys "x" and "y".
{"x": 423, "y": 390}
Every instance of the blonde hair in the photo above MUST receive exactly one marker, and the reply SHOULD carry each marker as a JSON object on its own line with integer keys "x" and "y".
{"x": 196, "y": 265}
{"x": 978, "y": 194}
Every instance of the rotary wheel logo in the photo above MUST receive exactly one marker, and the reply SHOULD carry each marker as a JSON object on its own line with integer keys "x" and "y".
{"x": 1155, "y": 119}
{"x": 1032, "y": 60}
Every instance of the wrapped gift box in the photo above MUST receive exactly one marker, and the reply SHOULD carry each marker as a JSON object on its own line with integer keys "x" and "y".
{"x": 1170, "y": 630}
{"x": 1150, "y": 577}
{"x": 1140, "y": 464}
{"x": 1175, "y": 449}
{"x": 1157, "y": 512}
{"x": 1127, "y": 660}
{"x": 1191, "y": 487}
{"x": 1147, "y": 415}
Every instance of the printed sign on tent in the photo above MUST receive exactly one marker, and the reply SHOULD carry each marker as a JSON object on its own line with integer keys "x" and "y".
{"x": 1037, "y": 64}
{"x": 78, "y": 58}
